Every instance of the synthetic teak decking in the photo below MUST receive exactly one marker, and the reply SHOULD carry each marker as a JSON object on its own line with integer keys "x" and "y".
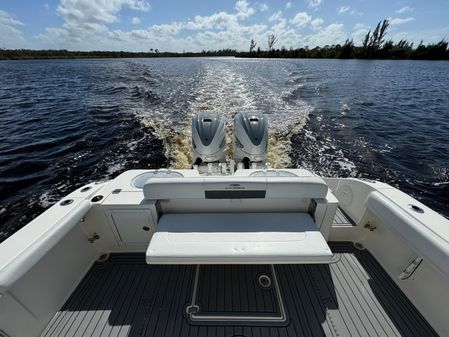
{"x": 351, "y": 297}
{"x": 341, "y": 219}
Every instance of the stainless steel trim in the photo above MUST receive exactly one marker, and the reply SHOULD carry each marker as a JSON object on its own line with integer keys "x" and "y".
{"x": 193, "y": 308}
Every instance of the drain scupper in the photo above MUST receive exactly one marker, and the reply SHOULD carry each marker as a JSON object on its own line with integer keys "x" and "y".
{"x": 264, "y": 281}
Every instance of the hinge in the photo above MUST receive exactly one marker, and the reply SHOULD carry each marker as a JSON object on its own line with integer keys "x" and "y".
{"x": 93, "y": 238}
{"x": 370, "y": 226}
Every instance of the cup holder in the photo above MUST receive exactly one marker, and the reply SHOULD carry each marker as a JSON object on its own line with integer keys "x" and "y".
{"x": 415, "y": 208}
{"x": 97, "y": 198}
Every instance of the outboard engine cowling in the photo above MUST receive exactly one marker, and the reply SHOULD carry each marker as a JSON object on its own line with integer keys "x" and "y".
{"x": 208, "y": 138}
{"x": 250, "y": 138}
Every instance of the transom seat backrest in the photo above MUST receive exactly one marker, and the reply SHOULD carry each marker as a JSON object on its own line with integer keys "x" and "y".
{"x": 235, "y": 194}
{"x": 235, "y": 188}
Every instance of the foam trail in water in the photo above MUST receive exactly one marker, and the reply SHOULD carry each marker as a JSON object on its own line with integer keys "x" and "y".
{"x": 227, "y": 91}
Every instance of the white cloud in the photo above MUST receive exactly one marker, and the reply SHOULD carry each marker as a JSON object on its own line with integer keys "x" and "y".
{"x": 135, "y": 20}
{"x": 243, "y": 9}
{"x": 263, "y": 7}
{"x": 314, "y": 3}
{"x": 7, "y": 19}
{"x": 348, "y": 10}
{"x": 301, "y": 19}
{"x": 405, "y": 9}
{"x": 343, "y": 9}
{"x": 10, "y": 34}
{"x": 117, "y": 35}
{"x": 84, "y": 18}
{"x": 141, "y": 34}
{"x": 359, "y": 35}
{"x": 222, "y": 39}
{"x": 288, "y": 5}
{"x": 401, "y": 21}
{"x": 275, "y": 16}
{"x": 96, "y": 11}
{"x": 138, "y": 5}
{"x": 238, "y": 38}
{"x": 86, "y": 26}
{"x": 360, "y": 30}
{"x": 316, "y": 23}
{"x": 220, "y": 20}
{"x": 167, "y": 29}
{"x": 433, "y": 35}
{"x": 360, "y": 26}
{"x": 332, "y": 34}
{"x": 280, "y": 26}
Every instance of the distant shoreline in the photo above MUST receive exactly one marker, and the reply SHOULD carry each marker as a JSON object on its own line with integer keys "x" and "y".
{"x": 328, "y": 52}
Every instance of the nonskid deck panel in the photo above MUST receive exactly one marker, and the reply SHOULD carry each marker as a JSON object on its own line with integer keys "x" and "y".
{"x": 341, "y": 219}
{"x": 352, "y": 297}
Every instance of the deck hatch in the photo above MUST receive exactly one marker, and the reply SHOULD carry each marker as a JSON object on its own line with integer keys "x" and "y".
{"x": 235, "y": 293}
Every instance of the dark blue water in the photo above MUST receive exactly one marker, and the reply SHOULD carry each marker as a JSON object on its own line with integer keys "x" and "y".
{"x": 65, "y": 123}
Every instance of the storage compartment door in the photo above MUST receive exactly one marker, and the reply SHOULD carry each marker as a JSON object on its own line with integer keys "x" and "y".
{"x": 133, "y": 226}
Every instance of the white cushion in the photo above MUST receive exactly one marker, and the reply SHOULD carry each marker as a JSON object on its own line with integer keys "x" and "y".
{"x": 271, "y": 187}
{"x": 232, "y": 238}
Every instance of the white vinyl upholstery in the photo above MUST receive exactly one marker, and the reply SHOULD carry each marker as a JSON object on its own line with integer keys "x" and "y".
{"x": 242, "y": 238}
{"x": 273, "y": 187}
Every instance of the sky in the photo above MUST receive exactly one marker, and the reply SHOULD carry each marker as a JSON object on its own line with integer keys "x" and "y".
{"x": 195, "y": 25}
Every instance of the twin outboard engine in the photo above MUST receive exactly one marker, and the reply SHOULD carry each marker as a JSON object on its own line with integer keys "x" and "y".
{"x": 208, "y": 138}
{"x": 250, "y": 138}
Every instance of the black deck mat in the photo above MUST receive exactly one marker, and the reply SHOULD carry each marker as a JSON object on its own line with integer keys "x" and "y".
{"x": 126, "y": 297}
{"x": 342, "y": 219}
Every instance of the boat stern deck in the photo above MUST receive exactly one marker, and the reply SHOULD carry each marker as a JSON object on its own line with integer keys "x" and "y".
{"x": 353, "y": 296}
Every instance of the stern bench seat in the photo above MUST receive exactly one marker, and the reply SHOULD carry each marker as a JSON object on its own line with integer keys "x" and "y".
{"x": 237, "y": 238}
{"x": 195, "y": 227}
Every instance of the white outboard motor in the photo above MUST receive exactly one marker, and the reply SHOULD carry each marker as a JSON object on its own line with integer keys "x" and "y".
{"x": 208, "y": 138}
{"x": 250, "y": 138}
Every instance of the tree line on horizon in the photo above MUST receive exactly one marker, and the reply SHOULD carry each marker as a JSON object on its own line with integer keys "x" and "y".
{"x": 26, "y": 54}
{"x": 374, "y": 46}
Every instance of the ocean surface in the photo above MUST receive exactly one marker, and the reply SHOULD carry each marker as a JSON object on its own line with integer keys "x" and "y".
{"x": 64, "y": 123}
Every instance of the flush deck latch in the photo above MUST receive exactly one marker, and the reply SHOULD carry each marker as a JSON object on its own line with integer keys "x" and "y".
{"x": 410, "y": 269}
